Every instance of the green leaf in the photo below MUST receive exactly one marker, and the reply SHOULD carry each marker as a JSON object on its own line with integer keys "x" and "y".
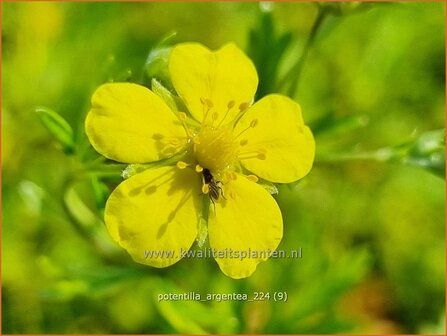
{"x": 191, "y": 316}
{"x": 331, "y": 125}
{"x": 58, "y": 127}
{"x": 425, "y": 151}
{"x": 266, "y": 48}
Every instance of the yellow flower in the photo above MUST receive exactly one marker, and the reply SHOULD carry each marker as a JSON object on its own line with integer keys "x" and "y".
{"x": 223, "y": 135}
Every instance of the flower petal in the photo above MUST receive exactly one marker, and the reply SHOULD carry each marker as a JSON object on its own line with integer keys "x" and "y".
{"x": 286, "y": 146}
{"x": 225, "y": 77}
{"x": 155, "y": 210}
{"x": 129, "y": 123}
{"x": 249, "y": 221}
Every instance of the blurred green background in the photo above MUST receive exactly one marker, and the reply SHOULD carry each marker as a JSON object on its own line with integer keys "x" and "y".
{"x": 370, "y": 217}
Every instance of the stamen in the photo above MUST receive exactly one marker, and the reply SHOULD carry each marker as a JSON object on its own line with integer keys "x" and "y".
{"x": 230, "y": 175}
{"x": 229, "y": 107}
{"x": 205, "y": 188}
{"x": 182, "y": 165}
{"x": 209, "y": 103}
{"x": 257, "y": 154}
{"x": 253, "y": 178}
{"x": 199, "y": 168}
{"x": 242, "y": 132}
{"x": 253, "y": 123}
{"x": 207, "y": 106}
{"x": 168, "y": 150}
{"x": 243, "y": 142}
{"x": 182, "y": 116}
{"x": 243, "y": 106}
{"x": 174, "y": 142}
{"x": 206, "y": 102}
{"x": 262, "y": 156}
{"x": 196, "y": 140}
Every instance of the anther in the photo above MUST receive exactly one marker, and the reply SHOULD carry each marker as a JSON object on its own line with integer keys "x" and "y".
{"x": 253, "y": 123}
{"x": 229, "y": 107}
{"x": 199, "y": 168}
{"x": 243, "y": 106}
{"x": 196, "y": 140}
{"x": 182, "y": 116}
{"x": 261, "y": 156}
{"x": 209, "y": 103}
{"x": 253, "y": 178}
{"x": 182, "y": 165}
{"x": 205, "y": 188}
{"x": 215, "y": 116}
{"x": 230, "y": 175}
{"x": 243, "y": 142}
{"x": 205, "y": 101}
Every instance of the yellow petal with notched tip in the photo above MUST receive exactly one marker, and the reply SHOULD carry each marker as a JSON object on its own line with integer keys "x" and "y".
{"x": 219, "y": 80}
{"x": 247, "y": 220}
{"x": 155, "y": 212}
{"x": 280, "y": 147}
{"x": 129, "y": 123}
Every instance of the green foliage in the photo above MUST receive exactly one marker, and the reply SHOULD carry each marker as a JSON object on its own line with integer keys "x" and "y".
{"x": 266, "y": 48}
{"x": 372, "y": 210}
{"x": 58, "y": 127}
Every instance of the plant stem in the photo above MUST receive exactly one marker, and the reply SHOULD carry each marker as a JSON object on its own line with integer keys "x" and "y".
{"x": 380, "y": 155}
{"x": 294, "y": 73}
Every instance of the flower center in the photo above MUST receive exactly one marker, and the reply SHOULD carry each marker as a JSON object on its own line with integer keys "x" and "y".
{"x": 215, "y": 148}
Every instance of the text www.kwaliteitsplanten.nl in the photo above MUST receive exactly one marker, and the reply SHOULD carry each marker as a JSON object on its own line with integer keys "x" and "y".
{"x": 225, "y": 253}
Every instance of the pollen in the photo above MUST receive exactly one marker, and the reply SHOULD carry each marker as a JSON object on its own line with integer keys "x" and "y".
{"x": 216, "y": 149}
